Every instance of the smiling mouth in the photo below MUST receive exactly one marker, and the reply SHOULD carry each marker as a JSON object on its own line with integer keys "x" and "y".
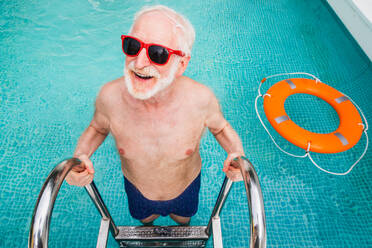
{"x": 144, "y": 77}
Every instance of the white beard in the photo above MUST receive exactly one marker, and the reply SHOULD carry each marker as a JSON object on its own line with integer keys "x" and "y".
{"x": 161, "y": 83}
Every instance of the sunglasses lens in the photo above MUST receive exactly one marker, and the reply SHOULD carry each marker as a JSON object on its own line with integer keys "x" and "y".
{"x": 131, "y": 46}
{"x": 158, "y": 54}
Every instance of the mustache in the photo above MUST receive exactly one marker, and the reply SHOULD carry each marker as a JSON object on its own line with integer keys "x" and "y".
{"x": 146, "y": 71}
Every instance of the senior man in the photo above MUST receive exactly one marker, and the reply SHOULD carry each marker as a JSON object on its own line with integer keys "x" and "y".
{"x": 157, "y": 117}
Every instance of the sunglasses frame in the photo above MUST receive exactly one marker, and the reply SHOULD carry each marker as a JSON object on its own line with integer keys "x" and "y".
{"x": 146, "y": 46}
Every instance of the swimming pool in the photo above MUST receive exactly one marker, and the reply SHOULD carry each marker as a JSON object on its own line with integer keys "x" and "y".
{"x": 56, "y": 55}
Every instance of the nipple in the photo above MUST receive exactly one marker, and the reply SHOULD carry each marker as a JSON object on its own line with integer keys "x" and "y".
{"x": 121, "y": 151}
{"x": 189, "y": 152}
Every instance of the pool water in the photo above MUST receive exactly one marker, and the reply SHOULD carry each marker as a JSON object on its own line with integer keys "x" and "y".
{"x": 55, "y": 56}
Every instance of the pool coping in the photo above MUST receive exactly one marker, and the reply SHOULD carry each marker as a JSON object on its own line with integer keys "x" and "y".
{"x": 355, "y": 15}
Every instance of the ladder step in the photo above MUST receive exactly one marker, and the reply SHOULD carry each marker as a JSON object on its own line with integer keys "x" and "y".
{"x": 162, "y": 236}
{"x": 158, "y": 244}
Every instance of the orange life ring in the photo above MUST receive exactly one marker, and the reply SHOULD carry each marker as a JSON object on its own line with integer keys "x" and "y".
{"x": 347, "y": 134}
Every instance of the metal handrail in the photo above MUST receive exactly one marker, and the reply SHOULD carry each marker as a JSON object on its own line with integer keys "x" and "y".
{"x": 39, "y": 230}
{"x": 101, "y": 207}
{"x": 255, "y": 203}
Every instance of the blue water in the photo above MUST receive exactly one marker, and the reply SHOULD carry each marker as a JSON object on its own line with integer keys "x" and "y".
{"x": 55, "y": 56}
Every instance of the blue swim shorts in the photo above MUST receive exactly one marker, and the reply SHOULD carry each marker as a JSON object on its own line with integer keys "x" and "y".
{"x": 186, "y": 204}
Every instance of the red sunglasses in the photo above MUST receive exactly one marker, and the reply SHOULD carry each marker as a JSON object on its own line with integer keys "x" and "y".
{"x": 156, "y": 53}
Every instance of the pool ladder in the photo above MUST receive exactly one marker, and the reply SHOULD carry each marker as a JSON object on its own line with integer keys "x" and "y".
{"x": 151, "y": 236}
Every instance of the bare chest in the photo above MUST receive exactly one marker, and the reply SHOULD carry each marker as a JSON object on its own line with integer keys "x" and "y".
{"x": 158, "y": 137}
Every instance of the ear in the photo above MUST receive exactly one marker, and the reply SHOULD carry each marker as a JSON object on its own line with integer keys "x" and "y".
{"x": 183, "y": 65}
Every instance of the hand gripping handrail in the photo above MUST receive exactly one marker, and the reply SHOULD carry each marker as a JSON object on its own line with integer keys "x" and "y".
{"x": 39, "y": 231}
{"x": 255, "y": 203}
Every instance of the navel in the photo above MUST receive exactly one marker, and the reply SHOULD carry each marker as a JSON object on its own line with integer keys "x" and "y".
{"x": 121, "y": 151}
{"x": 189, "y": 152}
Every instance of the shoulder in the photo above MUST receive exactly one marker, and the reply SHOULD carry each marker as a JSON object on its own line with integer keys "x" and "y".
{"x": 109, "y": 93}
{"x": 198, "y": 91}
{"x": 110, "y": 89}
{"x": 106, "y": 98}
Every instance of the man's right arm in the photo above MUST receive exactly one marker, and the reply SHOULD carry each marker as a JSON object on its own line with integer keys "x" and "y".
{"x": 88, "y": 143}
{"x": 93, "y": 136}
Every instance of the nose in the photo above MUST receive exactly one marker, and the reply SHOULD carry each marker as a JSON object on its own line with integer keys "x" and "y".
{"x": 142, "y": 60}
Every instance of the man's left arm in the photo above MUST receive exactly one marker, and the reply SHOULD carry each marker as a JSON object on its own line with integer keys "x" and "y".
{"x": 226, "y": 137}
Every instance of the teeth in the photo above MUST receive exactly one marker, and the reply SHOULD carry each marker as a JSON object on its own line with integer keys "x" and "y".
{"x": 142, "y": 76}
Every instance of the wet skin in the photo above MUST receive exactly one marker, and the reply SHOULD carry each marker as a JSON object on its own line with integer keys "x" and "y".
{"x": 158, "y": 138}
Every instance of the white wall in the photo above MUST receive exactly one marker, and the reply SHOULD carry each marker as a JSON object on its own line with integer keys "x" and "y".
{"x": 357, "y": 17}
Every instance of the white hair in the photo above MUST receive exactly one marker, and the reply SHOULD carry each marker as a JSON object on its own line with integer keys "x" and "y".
{"x": 188, "y": 33}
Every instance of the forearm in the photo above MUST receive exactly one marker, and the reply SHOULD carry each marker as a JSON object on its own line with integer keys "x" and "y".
{"x": 89, "y": 141}
{"x": 229, "y": 140}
